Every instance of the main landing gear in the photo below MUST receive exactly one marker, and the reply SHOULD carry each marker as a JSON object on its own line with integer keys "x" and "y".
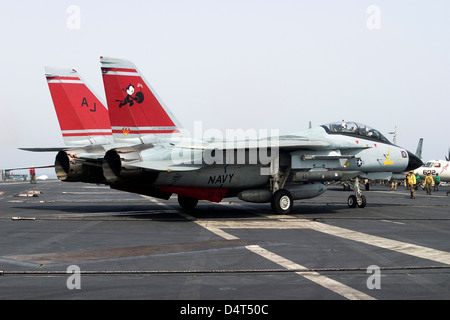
{"x": 187, "y": 203}
{"x": 358, "y": 199}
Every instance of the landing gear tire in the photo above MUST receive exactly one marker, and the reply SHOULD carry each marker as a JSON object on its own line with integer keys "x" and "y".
{"x": 361, "y": 201}
{"x": 187, "y": 203}
{"x": 282, "y": 202}
{"x": 351, "y": 201}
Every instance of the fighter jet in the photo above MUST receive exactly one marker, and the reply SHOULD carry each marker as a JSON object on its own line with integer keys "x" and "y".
{"x": 152, "y": 154}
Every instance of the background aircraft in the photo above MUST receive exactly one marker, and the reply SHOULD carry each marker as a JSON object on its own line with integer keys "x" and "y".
{"x": 441, "y": 167}
{"x": 165, "y": 161}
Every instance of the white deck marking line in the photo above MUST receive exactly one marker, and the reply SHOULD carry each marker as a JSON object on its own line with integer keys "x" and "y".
{"x": 255, "y": 224}
{"x": 211, "y": 228}
{"x": 389, "y": 221}
{"x": 220, "y": 233}
{"x": 154, "y": 200}
{"x": 324, "y": 281}
{"x": 330, "y": 284}
{"x": 394, "y": 245}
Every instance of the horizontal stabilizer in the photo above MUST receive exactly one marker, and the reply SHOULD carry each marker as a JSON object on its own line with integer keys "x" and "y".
{"x": 32, "y": 167}
{"x": 55, "y": 149}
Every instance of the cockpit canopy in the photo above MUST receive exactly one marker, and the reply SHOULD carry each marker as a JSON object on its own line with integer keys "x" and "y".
{"x": 433, "y": 164}
{"x": 355, "y": 129}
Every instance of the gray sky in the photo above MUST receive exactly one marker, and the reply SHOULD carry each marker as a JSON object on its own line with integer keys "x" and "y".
{"x": 236, "y": 64}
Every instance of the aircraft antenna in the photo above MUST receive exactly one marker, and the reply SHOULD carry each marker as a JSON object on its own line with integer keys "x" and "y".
{"x": 395, "y": 135}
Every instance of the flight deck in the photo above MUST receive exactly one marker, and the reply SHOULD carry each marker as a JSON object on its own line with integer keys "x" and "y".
{"x": 86, "y": 241}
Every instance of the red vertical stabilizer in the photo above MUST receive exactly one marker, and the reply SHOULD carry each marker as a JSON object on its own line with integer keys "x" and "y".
{"x": 136, "y": 111}
{"x": 82, "y": 117}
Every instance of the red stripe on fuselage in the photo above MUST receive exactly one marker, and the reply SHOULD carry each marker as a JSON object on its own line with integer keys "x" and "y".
{"x": 210, "y": 194}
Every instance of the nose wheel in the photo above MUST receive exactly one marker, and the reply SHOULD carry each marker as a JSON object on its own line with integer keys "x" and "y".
{"x": 282, "y": 202}
{"x": 353, "y": 201}
{"x": 358, "y": 199}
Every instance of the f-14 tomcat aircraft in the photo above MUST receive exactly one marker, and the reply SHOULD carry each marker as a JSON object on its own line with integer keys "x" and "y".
{"x": 152, "y": 155}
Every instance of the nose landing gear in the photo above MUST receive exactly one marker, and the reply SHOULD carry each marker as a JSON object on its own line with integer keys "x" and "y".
{"x": 358, "y": 199}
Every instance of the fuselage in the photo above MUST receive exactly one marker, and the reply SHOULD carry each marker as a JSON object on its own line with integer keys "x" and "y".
{"x": 215, "y": 170}
{"x": 343, "y": 152}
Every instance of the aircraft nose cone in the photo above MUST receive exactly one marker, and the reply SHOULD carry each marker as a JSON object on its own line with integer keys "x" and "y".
{"x": 414, "y": 162}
